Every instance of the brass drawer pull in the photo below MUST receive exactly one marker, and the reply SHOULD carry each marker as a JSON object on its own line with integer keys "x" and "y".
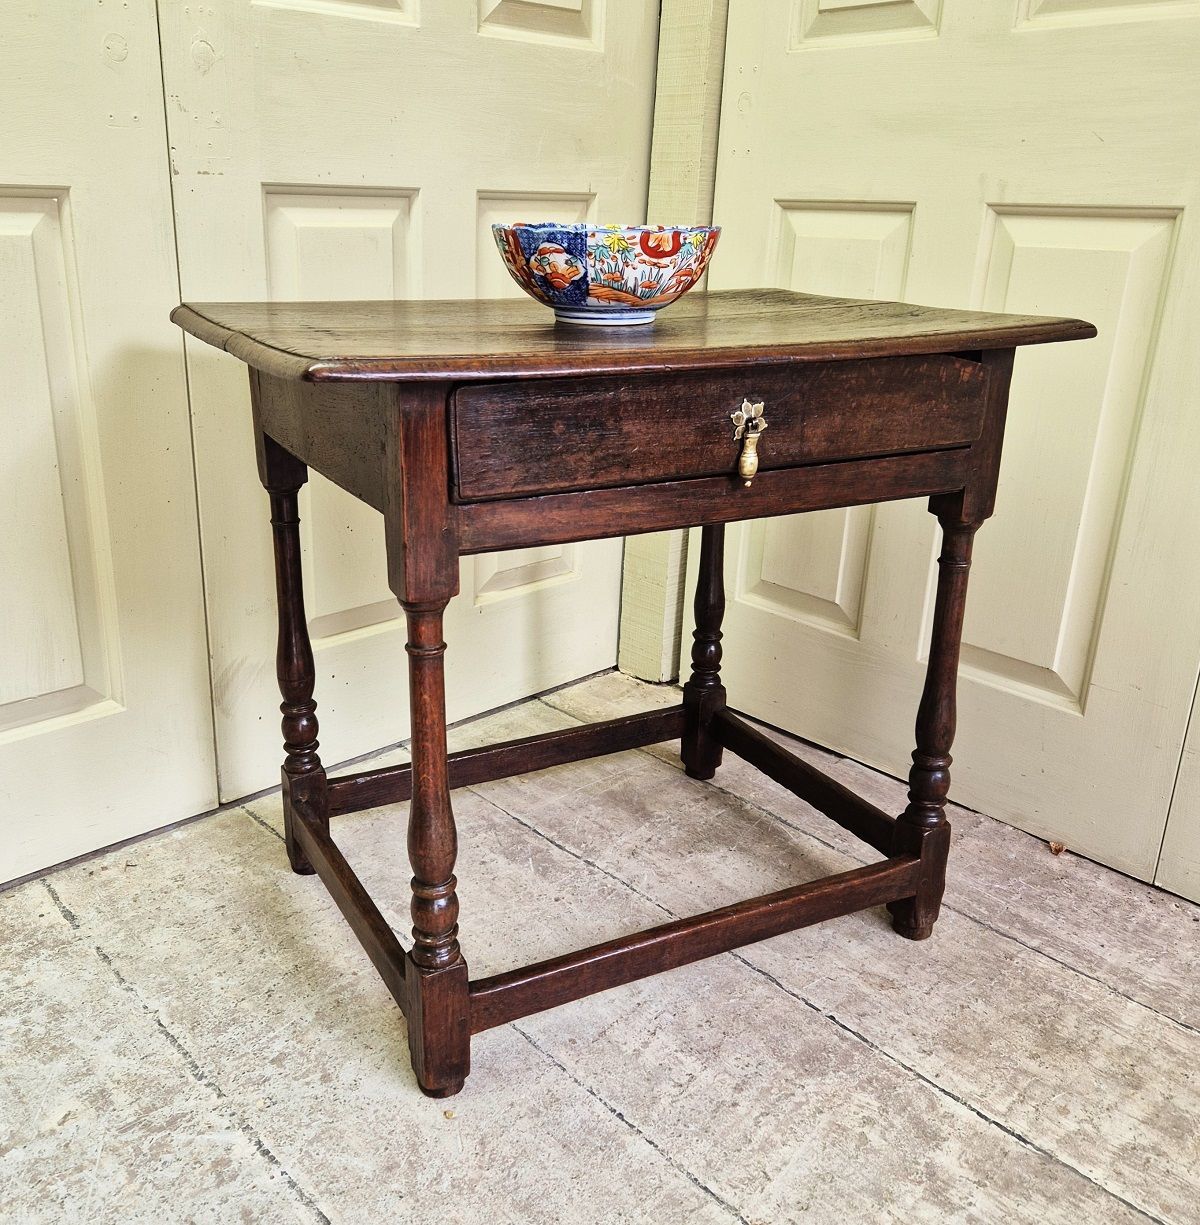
{"x": 750, "y": 423}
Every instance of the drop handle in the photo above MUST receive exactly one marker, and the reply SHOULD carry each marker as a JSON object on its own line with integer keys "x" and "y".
{"x": 749, "y": 423}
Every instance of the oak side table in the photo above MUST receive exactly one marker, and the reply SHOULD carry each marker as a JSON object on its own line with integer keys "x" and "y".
{"x": 477, "y": 426}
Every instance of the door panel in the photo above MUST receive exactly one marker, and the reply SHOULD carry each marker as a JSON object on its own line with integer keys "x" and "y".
{"x": 810, "y": 567}
{"x": 823, "y": 244}
{"x": 1065, "y": 472}
{"x": 326, "y": 149}
{"x": 1031, "y": 157}
{"x": 816, "y": 22}
{"x": 55, "y": 654}
{"x": 105, "y": 729}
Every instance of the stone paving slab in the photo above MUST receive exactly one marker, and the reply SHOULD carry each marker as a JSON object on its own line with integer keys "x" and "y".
{"x": 192, "y": 1032}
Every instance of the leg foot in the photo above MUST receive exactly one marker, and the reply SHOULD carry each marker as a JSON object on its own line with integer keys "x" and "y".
{"x": 448, "y": 1091}
{"x": 901, "y": 928}
{"x": 302, "y": 794}
{"x": 914, "y": 917}
{"x": 439, "y": 1027}
{"x": 297, "y": 858}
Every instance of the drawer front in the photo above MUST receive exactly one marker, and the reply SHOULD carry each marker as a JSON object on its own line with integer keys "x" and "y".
{"x": 550, "y": 436}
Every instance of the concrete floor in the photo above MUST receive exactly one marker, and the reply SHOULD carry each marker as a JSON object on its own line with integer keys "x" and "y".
{"x": 189, "y": 1032}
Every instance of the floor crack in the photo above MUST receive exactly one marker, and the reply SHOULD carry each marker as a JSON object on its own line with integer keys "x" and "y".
{"x": 63, "y": 909}
{"x": 1186, "y": 1026}
{"x": 192, "y": 1065}
{"x": 618, "y": 1114}
{"x": 760, "y": 811}
{"x": 841, "y": 1025}
{"x": 259, "y": 821}
{"x": 591, "y": 863}
{"x": 1021, "y": 1139}
{"x": 950, "y": 908}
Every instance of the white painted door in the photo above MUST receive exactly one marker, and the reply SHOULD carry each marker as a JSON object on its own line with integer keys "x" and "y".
{"x": 105, "y": 727}
{"x": 361, "y": 148}
{"x": 1024, "y": 155}
{"x": 1179, "y": 863}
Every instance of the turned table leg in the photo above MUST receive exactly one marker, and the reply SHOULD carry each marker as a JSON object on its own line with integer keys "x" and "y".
{"x": 304, "y": 781}
{"x": 422, "y": 549}
{"x": 704, "y": 695}
{"x": 439, "y": 1008}
{"x": 922, "y": 828}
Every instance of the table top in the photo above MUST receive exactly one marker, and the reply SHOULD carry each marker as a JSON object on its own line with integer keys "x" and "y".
{"x": 510, "y": 338}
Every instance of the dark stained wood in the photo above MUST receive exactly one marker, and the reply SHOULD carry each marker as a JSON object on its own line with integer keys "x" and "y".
{"x": 559, "y": 434}
{"x": 556, "y": 518}
{"x": 922, "y": 828}
{"x": 393, "y": 784}
{"x": 438, "y": 1037}
{"x": 825, "y": 794}
{"x": 439, "y": 1028}
{"x": 980, "y": 492}
{"x": 303, "y": 776}
{"x": 505, "y": 997}
{"x": 371, "y": 928}
{"x": 419, "y": 522}
{"x": 470, "y": 341}
{"x": 422, "y": 558}
{"x": 703, "y": 694}
{"x": 866, "y": 402}
{"x": 432, "y": 837}
{"x": 339, "y": 431}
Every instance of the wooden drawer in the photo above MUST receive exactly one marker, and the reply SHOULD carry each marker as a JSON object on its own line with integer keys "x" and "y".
{"x": 548, "y": 436}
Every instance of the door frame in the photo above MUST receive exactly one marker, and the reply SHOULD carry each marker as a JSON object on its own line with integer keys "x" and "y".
{"x": 683, "y": 170}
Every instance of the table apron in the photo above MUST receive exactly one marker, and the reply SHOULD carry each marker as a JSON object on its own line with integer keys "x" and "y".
{"x": 593, "y": 514}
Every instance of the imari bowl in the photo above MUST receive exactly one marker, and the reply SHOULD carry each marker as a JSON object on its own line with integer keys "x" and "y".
{"x": 605, "y": 274}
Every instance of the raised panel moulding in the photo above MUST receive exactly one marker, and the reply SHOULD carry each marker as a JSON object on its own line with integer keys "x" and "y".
{"x": 850, "y": 249}
{"x": 1072, "y": 423}
{"x": 1100, "y": 12}
{"x": 341, "y": 244}
{"x": 59, "y": 646}
{"x": 399, "y": 12}
{"x": 504, "y": 207}
{"x": 816, "y": 23}
{"x": 809, "y": 568}
{"x": 813, "y": 568}
{"x": 570, "y": 23}
{"x": 332, "y": 244}
{"x": 502, "y": 575}
{"x": 344, "y": 578}
{"x": 565, "y": 22}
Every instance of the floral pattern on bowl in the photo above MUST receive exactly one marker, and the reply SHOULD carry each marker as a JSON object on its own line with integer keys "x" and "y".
{"x": 605, "y": 274}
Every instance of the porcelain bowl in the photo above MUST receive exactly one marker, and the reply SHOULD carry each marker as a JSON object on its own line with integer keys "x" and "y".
{"x": 605, "y": 274}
